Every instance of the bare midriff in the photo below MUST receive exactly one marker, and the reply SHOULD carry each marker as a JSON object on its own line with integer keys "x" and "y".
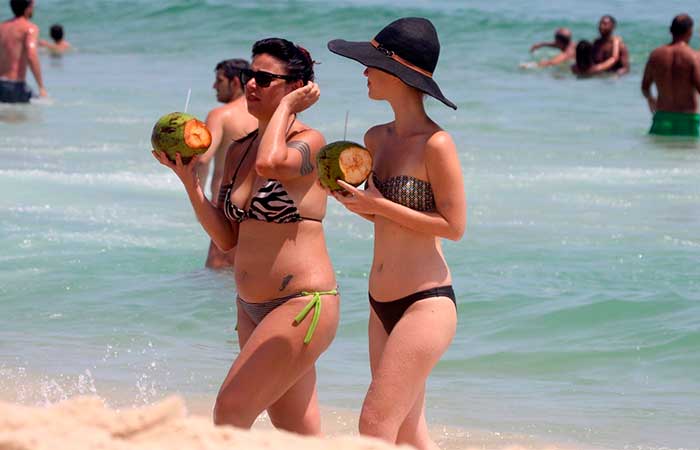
{"x": 405, "y": 262}
{"x": 275, "y": 260}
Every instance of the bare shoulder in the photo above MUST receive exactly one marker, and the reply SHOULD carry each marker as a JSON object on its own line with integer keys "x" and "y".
{"x": 375, "y": 135}
{"x": 216, "y": 113}
{"x": 439, "y": 142}
{"x": 311, "y": 136}
{"x": 32, "y": 28}
{"x": 659, "y": 52}
{"x": 689, "y": 53}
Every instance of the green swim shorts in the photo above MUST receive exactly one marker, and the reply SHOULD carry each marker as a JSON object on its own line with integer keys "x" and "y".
{"x": 675, "y": 124}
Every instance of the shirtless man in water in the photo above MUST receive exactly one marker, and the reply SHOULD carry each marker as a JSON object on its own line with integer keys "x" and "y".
{"x": 227, "y": 123}
{"x": 675, "y": 70}
{"x": 18, "y": 42}
{"x": 610, "y": 54}
{"x": 563, "y": 42}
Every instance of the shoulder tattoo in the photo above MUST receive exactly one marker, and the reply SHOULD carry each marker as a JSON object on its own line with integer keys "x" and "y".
{"x": 305, "y": 150}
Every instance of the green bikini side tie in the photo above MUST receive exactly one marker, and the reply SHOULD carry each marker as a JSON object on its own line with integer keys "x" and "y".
{"x": 316, "y": 304}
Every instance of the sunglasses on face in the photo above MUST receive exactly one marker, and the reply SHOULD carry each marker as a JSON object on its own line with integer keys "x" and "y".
{"x": 262, "y": 78}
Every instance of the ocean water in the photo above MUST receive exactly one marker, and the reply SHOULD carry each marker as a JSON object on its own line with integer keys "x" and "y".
{"x": 578, "y": 279}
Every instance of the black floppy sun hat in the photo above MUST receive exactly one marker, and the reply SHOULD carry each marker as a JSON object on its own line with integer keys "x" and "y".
{"x": 407, "y": 48}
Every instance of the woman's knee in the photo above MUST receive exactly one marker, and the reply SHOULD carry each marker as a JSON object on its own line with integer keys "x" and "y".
{"x": 377, "y": 421}
{"x": 233, "y": 410}
{"x": 308, "y": 424}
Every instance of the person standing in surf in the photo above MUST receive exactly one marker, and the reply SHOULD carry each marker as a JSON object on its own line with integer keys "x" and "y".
{"x": 227, "y": 123}
{"x": 675, "y": 70}
{"x": 18, "y": 50}
{"x": 270, "y": 209}
{"x": 414, "y": 196}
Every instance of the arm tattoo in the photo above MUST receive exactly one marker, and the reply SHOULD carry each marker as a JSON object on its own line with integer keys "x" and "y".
{"x": 305, "y": 150}
{"x": 285, "y": 282}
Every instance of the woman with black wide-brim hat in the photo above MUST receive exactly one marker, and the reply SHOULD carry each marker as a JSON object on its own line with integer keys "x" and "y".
{"x": 415, "y": 196}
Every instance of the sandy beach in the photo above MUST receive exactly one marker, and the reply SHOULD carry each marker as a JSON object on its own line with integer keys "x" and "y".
{"x": 87, "y": 423}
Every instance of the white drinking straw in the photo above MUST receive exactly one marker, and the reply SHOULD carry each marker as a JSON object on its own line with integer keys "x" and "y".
{"x": 345, "y": 132}
{"x": 187, "y": 102}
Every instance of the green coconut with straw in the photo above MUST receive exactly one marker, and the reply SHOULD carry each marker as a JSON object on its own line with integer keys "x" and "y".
{"x": 343, "y": 160}
{"x": 182, "y": 133}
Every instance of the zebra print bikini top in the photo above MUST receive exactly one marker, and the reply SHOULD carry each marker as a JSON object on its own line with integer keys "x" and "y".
{"x": 271, "y": 203}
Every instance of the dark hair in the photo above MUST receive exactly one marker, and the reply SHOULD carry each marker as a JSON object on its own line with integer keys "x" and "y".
{"x": 562, "y": 38}
{"x": 612, "y": 19}
{"x": 297, "y": 59}
{"x": 584, "y": 55}
{"x": 681, "y": 24}
{"x": 56, "y": 32}
{"x": 20, "y": 6}
{"x": 232, "y": 67}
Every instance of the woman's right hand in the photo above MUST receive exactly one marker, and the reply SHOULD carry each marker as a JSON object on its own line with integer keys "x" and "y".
{"x": 187, "y": 173}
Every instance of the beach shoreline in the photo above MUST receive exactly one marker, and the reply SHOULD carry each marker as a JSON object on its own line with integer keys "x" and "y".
{"x": 83, "y": 420}
{"x": 87, "y": 422}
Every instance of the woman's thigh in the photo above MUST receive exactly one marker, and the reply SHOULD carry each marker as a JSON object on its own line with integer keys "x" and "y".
{"x": 273, "y": 356}
{"x": 411, "y": 351}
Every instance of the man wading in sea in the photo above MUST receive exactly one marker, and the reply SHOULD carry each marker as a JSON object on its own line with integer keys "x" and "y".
{"x": 675, "y": 69}
{"x": 18, "y": 41}
{"x": 226, "y": 123}
{"x": 610, "y": 53}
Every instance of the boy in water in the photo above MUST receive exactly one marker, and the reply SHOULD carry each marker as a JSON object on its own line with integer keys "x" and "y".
{"x": 59, "y": 45}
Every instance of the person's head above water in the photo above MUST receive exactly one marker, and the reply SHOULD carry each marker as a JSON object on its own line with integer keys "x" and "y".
{"x": 607, "y": 24}
{"x": 22, "y": 8}
{"x": 562, "y": 38}
{"x": 682, "y": 28}
{"x": 56, "y": 32}
{"x": 407, "y": 48}
{"x": 584, "y": 56}
{"x": 228, "y": 83}
{"x": 277, "y": 68}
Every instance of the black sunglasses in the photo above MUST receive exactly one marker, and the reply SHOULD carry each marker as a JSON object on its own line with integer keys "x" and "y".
{"x": 262, "y": 78}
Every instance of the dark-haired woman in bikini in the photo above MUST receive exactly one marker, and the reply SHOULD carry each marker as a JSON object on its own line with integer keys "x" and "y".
{"x": 270, "y": 209}
{"x": 415, "y": 196}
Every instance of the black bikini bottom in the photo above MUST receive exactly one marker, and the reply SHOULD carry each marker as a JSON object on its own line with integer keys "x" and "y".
{"x": 391, "y": 312}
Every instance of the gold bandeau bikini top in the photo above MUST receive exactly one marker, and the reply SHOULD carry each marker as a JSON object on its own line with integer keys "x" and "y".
{"x": 407, "y": 191}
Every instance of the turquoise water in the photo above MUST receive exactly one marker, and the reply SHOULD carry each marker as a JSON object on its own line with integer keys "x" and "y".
{"x": 578, "y": 277}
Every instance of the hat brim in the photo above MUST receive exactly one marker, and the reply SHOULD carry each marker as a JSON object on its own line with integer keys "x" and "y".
{"x": 365, "y": 53}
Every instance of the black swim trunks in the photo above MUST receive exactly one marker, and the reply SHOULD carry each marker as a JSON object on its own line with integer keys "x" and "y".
{"x": 14, "y": 92}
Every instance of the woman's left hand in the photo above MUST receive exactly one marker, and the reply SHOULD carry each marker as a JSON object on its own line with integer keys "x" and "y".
{"x": 302, "y": 98}
{"x": 360, "y": 201}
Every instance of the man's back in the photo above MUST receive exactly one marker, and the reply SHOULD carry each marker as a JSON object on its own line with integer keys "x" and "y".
{"x": 675, "y": 69}
{"x": 16, "y": 35}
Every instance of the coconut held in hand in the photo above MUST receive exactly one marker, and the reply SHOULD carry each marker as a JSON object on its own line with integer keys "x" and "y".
{"x": 180, "y": 133}
{"x": 343, "y": 160}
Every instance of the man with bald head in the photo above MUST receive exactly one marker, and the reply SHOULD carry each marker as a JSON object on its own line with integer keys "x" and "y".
{"x": 18, "y": 42}
{"x": 675, "y": 70}
{"x": 563, "y": 42}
